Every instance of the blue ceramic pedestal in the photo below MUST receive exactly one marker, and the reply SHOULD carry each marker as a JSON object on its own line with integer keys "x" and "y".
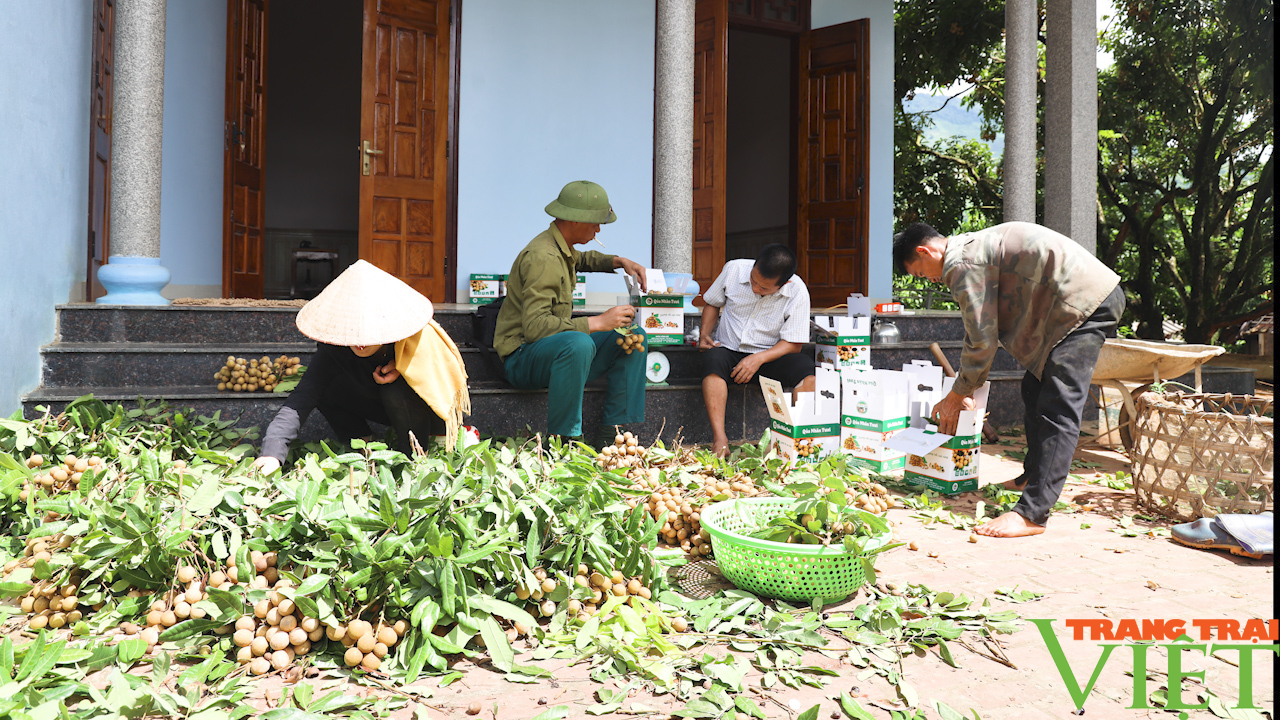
{"x": 133, "y": 281}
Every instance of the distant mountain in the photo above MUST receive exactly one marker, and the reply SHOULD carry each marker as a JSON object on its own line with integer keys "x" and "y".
{"x": 952, "y": 120}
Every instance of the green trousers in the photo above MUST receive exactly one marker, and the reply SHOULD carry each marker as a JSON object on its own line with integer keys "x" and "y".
{"x": 565, "y": 362}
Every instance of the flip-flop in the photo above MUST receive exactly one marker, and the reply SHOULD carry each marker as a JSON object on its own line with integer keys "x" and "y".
{"x": 1208, "y": 534}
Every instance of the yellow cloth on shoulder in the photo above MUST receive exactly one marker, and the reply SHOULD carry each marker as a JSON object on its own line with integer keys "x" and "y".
{"x": 431, "y": 364}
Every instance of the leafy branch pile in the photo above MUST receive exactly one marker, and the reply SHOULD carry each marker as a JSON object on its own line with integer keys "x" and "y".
{"x": 171, "y": 546}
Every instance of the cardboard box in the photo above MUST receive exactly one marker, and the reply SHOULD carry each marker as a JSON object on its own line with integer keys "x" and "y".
{"x": 924, "y": 388}
{"x": 659, "y": 314}
{"x": 844, "y": 341}
{"x": 487, "y": 288}
{"x": 809, "y": 430}
{"x": 874, "y": 408}
{"x": 580, "y": 291}
{"x": 947, "y": 464}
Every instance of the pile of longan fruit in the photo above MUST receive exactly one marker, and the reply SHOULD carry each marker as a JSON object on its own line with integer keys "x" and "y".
{"x": 626, "y": 451}
{"x": 873, "y": 497}
{"x": 50, "y": 603}
{"x": 631, "y": 343}
{"x": 366, "y": 643}
{"x": 61, "y": 477}
{"x": 174, "y": 606}
{"x": 600, "y": 585}
{"x": 240, "y": 375}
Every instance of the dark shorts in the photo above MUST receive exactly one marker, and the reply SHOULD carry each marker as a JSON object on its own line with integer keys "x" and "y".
{"x": 790, "y": 369}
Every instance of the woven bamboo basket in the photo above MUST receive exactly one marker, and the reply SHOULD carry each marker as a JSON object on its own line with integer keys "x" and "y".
{"x": 1198, "y": 455}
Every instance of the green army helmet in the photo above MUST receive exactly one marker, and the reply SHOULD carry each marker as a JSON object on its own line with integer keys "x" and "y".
{"x": 582, "y": 201}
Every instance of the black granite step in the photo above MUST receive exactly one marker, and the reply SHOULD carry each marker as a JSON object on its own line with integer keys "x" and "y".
{"x": 88, "y": 322}
{"x": 123, "y": 364}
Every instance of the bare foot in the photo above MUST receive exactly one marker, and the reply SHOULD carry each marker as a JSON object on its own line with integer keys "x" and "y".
{"x": 1010, "y": 524}
{"x": 720, "y": 446}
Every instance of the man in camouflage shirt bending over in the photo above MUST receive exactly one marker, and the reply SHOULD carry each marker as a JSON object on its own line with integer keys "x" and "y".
{"x": 1050, "y": 304}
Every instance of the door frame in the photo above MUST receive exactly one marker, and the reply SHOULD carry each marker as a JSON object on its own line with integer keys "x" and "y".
{"x": 451, "y": 153}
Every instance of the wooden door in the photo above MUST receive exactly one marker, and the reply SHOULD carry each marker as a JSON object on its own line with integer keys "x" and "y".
{"x": 244, "y": 157}
{"x": 100, "y": 145}
{"x": 710, "y": 108}
{"x": 404, "y": 124}
{"x": 831, "y": 198}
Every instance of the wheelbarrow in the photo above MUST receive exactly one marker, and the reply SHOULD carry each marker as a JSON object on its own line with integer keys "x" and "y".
{"x": 1133, "y": 366}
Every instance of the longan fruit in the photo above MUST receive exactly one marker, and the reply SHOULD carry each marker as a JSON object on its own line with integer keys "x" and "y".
{"x": 150, "y": 636}
{"x": 38, "y": 622}
{"x": 387, "y": 636}
{"x": 297, "y": 636}
{"x": 74, "y": 616}
{"x": 679, "y": 624}
{"x": 309, "y": 624}
{"x": 273, "y": 616}
{"x": 194, "y": 594}
{"x": 548, "y": 608}
{"x": 260, "y": 666}
{"x": 352, "y": 657}
{"x": 278, "y": 640}
{"x": 280, "y": 660}
{"x": 548, "y": 585}
{"x": 259, "y": 646}
{"x": 371, "y": 662}
{"x": 57, "y": 620}
{"x": 243, "y": 638}
{"x": 335, "y": 633}
{"x": 182, "y": 609}
{"x": 380, "y": 650}
{"x": 619, "y": 590}
{"x": 217, "y": 578}
{"x": 28, "y": 604}
{"x": 522, "y": 593}
{"x": 357, "y": 629}
{"x": 366, "y": 642}
{"x": 244, "y": 655}
{"x": 288, "y": 623}
{"x": 271, "y": 574}
{"x": 168, "y": 619}
{"x": 286, "y": 607}
{"x": 400, "y": 628}
{"x": 246, "y": 623}
{"x": 316, "y": 635}
{"x": 186, "y": 574}
{"x": 303, "y": 647}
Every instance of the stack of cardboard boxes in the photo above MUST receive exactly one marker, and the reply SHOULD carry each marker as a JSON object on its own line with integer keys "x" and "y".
{"x": 880, "y": 420}
{"x": 484, "y": 289}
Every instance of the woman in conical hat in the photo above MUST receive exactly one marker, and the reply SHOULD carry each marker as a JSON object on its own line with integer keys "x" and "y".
{"x": 380, "y": 357}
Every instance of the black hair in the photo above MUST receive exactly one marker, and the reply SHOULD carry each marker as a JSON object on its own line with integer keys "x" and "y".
{"x": 776, "y": 262}
{"x": 906, "y": 242}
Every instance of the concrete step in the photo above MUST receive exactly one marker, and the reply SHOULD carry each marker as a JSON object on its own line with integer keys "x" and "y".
{"x": 499, "y": 409}
{"x": 123, "y": 364}
{"x": 89, "y": 322}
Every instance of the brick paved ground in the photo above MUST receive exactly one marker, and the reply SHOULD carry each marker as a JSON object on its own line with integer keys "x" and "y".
{"x": 1085, "y": 570}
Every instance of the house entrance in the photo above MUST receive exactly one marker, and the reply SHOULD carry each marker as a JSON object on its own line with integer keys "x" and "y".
{"x": 780, "y": 142}
{"x": 352, "y": 161}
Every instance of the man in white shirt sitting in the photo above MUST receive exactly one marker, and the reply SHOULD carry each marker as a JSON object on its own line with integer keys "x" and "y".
{"x": 763, "y": 311}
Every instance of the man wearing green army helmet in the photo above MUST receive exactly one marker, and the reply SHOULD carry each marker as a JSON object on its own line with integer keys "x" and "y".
{"x": 542, "y": 345}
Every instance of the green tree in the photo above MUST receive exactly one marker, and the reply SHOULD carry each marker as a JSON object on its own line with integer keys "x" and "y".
{"x": 1186, "y": 174}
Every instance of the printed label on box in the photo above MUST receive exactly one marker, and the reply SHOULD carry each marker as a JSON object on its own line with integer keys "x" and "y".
{"x": 873, "y": 410}
{"x": 580, "y": 291}
{"x": 486, "y": 288}
{"x": 842, "y": 341}
{"x": 662, "y": 317}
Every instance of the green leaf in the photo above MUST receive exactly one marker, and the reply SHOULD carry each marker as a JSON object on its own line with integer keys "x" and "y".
{"x": 129, "y": 651}
{"x": 908, "y": 694}
{"x": 496, "y": 643}
{"x": 946, "y": 712}
{"x": 748, "y": 706}
{"x": 853, "y": 709}
{"x": 810, "y": 714}
{"x": 945, "y": 652}
{"x": 559, "y": 712}
{"x": 501, "y": 608}
{"x": 312, "y": 584}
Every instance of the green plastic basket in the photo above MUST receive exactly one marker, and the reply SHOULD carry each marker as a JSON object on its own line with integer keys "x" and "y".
{"x": 786, "y": 571}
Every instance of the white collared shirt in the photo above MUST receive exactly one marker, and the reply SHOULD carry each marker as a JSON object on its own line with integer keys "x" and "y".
{"x": 751, "y": 323}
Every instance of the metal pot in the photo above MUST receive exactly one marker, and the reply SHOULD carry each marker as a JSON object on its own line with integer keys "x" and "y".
{"x": 884, "y": 332}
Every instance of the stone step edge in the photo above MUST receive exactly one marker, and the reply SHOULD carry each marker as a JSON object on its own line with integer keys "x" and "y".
{"x": 203, "y": 392}
{"x": 61, "y": 346}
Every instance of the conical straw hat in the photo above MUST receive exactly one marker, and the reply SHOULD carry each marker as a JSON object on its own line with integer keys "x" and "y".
{"x": 364, "y": 306}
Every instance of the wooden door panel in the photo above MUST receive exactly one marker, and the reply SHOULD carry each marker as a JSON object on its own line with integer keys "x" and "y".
{"x": 99, "y": 244}
{"x": 244, "y": 151}
{"x": 832, "y": 198}
{"x": 404, "y": 107}
{"x": 710, "y": 108}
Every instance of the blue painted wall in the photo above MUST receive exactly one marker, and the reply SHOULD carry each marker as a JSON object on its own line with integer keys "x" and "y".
{"x": 44, "y": 169}
{"x": 550, "y": 93}
{"x": 195, "y": 70}
{"x": 880, "y": 222}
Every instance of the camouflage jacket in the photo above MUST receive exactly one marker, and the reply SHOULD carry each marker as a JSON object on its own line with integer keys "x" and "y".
{"x": 1023, "y": 287}
{"x": 539, "y": 300}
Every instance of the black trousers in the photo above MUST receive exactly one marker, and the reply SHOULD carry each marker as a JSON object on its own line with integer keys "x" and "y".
{"x": 1054, "y": 404}
{"x": 790, "y": 369}
{"x": 349, "y": 405}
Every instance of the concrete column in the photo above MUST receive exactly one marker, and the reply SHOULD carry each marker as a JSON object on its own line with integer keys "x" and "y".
{"x": 133, "y": 275}
{"x": 1071, "y": 121}
{"x": 673, "y": 138}
{"x": 1020, "y": 68}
